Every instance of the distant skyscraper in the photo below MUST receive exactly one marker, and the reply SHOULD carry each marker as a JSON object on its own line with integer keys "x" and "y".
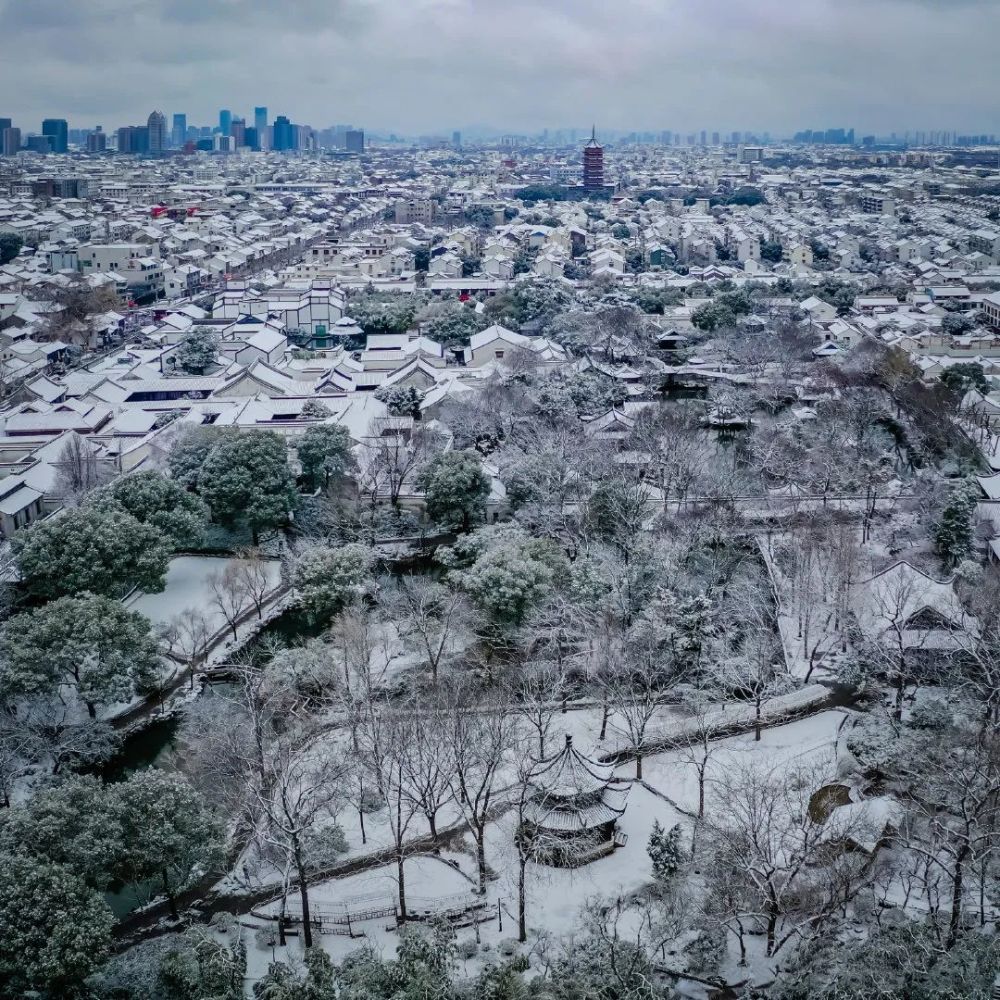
{"x": 238, "y": 132}
{"x": 156, "y": 125}
{"x": 133, "y": 139}
{"x": 5, "y": 123}
{"x": 260, "y": 119}
{"x": 251, "y": 137}
{"x": 58, "y": 132}
{"x": 456, "y": 139}
{"x": 715, "y": 138}
{"x": 178, "y": 134}
{"x": 97, "y": 141}
{"x": 225, "y": 121}
{"x": 704, "y": 138}
{"x": 354, "y": 141}
{"x": 593, "y": 164}
{"x": 10, "y": 141}
{"x": 284, "y": 134}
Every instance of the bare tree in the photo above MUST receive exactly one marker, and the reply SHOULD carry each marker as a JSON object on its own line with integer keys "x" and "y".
{"x": 78, "y": 470}
{"x": 192, "y": 634}
{"x": 252, "y": 572}
{"x": 771, "y": 866}
{"x": 481, "y": 734}
{"x": 228, "y": 594}
{"x": 386, "y": 744}
{"x": 953, "y": 781}
{"x": 537, "y": 694}
{"x": 427, "y": 773}
{"x": 391, "y": 453}
{"x": 433, "y": 615}
{"x": 697, "y": 744}
{"x": 298, "y": 792}
{"x": 634, "y": 703}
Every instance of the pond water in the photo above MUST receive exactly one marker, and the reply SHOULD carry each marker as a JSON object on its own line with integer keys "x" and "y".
{"x": 153, "y": 744}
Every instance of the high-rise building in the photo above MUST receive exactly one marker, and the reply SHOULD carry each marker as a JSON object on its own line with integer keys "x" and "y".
{"x": 354, "y": 141}
{"x": 58, "y": 131}
{"x": 284, "y": 134}
{"x": 10, "y": 141}
{"x": 156, "y": 126}
{"x": 260, "y": 119}
{"x": 179, "y": 131}
{"x": 5, "y": 123}
{"x": 251, "y": 137}
{"x": 593, "y": 163}
{"x": 97, "y": 141}
{"x": 715, "y": 138}
{"x": 38, "y": 143}
{"x": 225, "y": 121}
{"x": 238, "y": 131}
{"x": 456, "y": 139}
{"x": 133, "y": 139}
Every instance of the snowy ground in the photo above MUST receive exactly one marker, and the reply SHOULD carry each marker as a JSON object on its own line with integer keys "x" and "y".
{"x": 557, "y": 899}
{"x": 188, "y": 587}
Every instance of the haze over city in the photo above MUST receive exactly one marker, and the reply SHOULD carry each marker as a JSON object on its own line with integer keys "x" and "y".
{"x": 499, "y": 500}
{"x": 429, "y": 65}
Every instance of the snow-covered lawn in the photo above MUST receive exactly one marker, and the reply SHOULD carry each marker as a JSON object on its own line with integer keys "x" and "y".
{"x": 556, "y": 899}
{"x": 188, "y": 587}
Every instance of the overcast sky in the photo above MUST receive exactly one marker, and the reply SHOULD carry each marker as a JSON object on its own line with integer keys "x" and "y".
{"x": 520, "y": 65}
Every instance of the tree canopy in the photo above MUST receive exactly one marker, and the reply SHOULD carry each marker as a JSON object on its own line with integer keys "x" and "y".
{"x": 89, "y": 643}
{"x": 104, "y": 551}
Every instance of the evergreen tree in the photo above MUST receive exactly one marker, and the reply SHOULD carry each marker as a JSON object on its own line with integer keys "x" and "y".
{"x": 152, "y": 498}
{"x": 328, "y": 578}
{"x": 455, "y": 488}
{"x": 324, "y": 451}
{"x": 89, "y": 643}
{"x": 105, "y": 551}
{"x": 665, "y": 852}
{"x": 167, "y": 832}
{"x": 56, "y": 930}
{"x": 246, "y": 478}
{"x": 68, "y": 825}
{"x": 955, "y": 530}
{"x": 197, "y": 350}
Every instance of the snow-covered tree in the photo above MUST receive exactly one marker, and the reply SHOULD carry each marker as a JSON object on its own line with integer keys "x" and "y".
{"x": 324, "y": 452}
{"x": 89, "y": 644}
{"x": 327, "y": 579}
{"x": 400, "y": 400}
{"x": 168, "y": 835}
{"x": 246, "y": 478}
{"x": 202, "y": 968}
{"x": 507, "y": 579}
{"x": 189, "y": 451}
{"x": 105, "y": 551}
{"x": 455, "y": 488}
{"x": 68, "y": 825}
{"x": 56, "y": 930}
{"x": 431, "y": 615}
{"x": 955, "y": 532}
{"x": 197, "y": 350}
{"x": 152, "y": 498}
{"x": 481, "y": 736}
{"x": 666, "y": 854}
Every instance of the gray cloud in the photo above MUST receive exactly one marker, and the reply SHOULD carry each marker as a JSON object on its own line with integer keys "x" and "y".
{"x": 413, "y": 65}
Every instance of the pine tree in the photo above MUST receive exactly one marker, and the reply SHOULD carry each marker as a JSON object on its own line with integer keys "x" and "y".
{"x": 954, "y": 534}
{"x": 665, "y": 852}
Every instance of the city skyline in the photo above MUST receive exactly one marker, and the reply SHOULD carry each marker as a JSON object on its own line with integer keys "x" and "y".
{"x": 647, "y": 65}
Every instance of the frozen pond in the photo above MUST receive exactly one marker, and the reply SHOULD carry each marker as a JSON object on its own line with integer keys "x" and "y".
{"x": 188, "y": 586}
